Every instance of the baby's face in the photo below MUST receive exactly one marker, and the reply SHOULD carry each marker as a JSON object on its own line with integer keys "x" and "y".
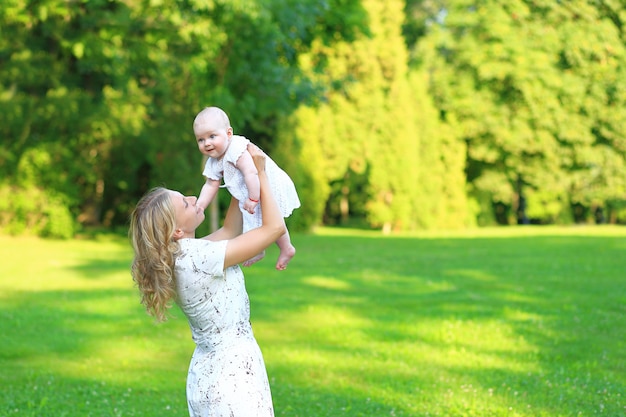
{"x": 212, "y": 138}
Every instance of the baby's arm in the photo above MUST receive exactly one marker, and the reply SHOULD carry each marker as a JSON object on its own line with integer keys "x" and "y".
{"x": 245, "y": 165}
{"x": 208, "y": 193}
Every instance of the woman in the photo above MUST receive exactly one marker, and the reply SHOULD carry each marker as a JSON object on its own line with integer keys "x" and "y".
{"x": 227, "y": 375}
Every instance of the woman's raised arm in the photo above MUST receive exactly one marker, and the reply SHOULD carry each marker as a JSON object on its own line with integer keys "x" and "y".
{"x": 233, "y": 223}
{"x": 249, "y": 244}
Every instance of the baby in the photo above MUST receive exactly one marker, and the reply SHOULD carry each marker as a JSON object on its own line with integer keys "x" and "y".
{"x": 228, "y": 158}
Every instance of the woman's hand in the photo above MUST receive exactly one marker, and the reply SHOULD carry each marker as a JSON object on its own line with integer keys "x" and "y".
{"x": 258, "y": 156}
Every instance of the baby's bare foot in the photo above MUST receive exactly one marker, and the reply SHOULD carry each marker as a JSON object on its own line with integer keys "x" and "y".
{"x": 284, "y": 257}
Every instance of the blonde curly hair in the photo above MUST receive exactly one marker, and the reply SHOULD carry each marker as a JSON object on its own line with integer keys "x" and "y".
{"x": 152, "y": 226}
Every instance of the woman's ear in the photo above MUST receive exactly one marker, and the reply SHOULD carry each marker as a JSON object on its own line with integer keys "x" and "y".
{"x": 178, "y": 234}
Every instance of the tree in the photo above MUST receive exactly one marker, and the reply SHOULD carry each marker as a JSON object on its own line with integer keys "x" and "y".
{"x": 363, "y": 143}
{"x": 100, "y": 95}
{"x": 523, "y": 83}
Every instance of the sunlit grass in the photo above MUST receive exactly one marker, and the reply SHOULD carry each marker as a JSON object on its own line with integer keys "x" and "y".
{"x": 497, "y": 322}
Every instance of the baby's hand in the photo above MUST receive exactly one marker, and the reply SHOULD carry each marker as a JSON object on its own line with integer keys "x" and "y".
{"x": 250, "y": 205}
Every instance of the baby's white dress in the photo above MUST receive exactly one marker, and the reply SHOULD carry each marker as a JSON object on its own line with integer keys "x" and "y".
{"x": 282, "y": 186}
{"x": 227, "y": 376}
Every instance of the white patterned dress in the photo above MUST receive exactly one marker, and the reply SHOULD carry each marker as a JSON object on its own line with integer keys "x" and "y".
{"x": 283, "y": 188}
{"x": 227, "y": 376}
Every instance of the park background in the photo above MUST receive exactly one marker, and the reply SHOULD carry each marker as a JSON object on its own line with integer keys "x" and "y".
{"x": 387, "y": 114}
{"x": 414, "y": 132}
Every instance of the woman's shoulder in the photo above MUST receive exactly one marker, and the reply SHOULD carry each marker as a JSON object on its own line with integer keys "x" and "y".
{"x": 201, "y": 254}
{"x": 199, "y": 242}
{"x": 196, "y": 246}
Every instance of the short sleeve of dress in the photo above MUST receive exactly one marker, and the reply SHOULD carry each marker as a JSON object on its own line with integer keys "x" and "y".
{"x": 238, "y": 145}
{"x": 213, "y": 169}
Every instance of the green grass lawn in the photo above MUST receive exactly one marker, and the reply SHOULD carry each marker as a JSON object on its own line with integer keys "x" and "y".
{"x": 499, "y": 322}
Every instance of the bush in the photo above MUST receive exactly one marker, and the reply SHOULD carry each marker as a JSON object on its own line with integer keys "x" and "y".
{"x": 33, "y": 211}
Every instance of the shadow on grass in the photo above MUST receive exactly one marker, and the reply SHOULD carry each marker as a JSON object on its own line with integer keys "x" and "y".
{"x": 533, "y": 324}
{"x": 354, "y": 327}
{"x": 75, "y": 340}
{"x": 89, "y": 352}
{"x": 93, "y": 351}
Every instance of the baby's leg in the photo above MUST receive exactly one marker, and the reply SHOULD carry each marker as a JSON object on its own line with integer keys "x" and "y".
{"x": 287, "y": 251}
{"x": 254, "y": 259}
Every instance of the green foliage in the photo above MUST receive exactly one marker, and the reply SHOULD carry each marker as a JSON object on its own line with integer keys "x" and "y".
{"x": 398, "y": 115}
{"x": 34, "y": 211}
{"x": 110, "y": 88}
{"x": 304, "y": 162}
{"x": 532, "y": 90}
{"x": 373, "y": 140}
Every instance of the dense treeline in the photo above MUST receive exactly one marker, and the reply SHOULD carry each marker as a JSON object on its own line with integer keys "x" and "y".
{"x": 392, "y": 114}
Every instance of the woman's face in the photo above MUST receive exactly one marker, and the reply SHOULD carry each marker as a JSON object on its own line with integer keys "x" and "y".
{"x": 188, "y": 215}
